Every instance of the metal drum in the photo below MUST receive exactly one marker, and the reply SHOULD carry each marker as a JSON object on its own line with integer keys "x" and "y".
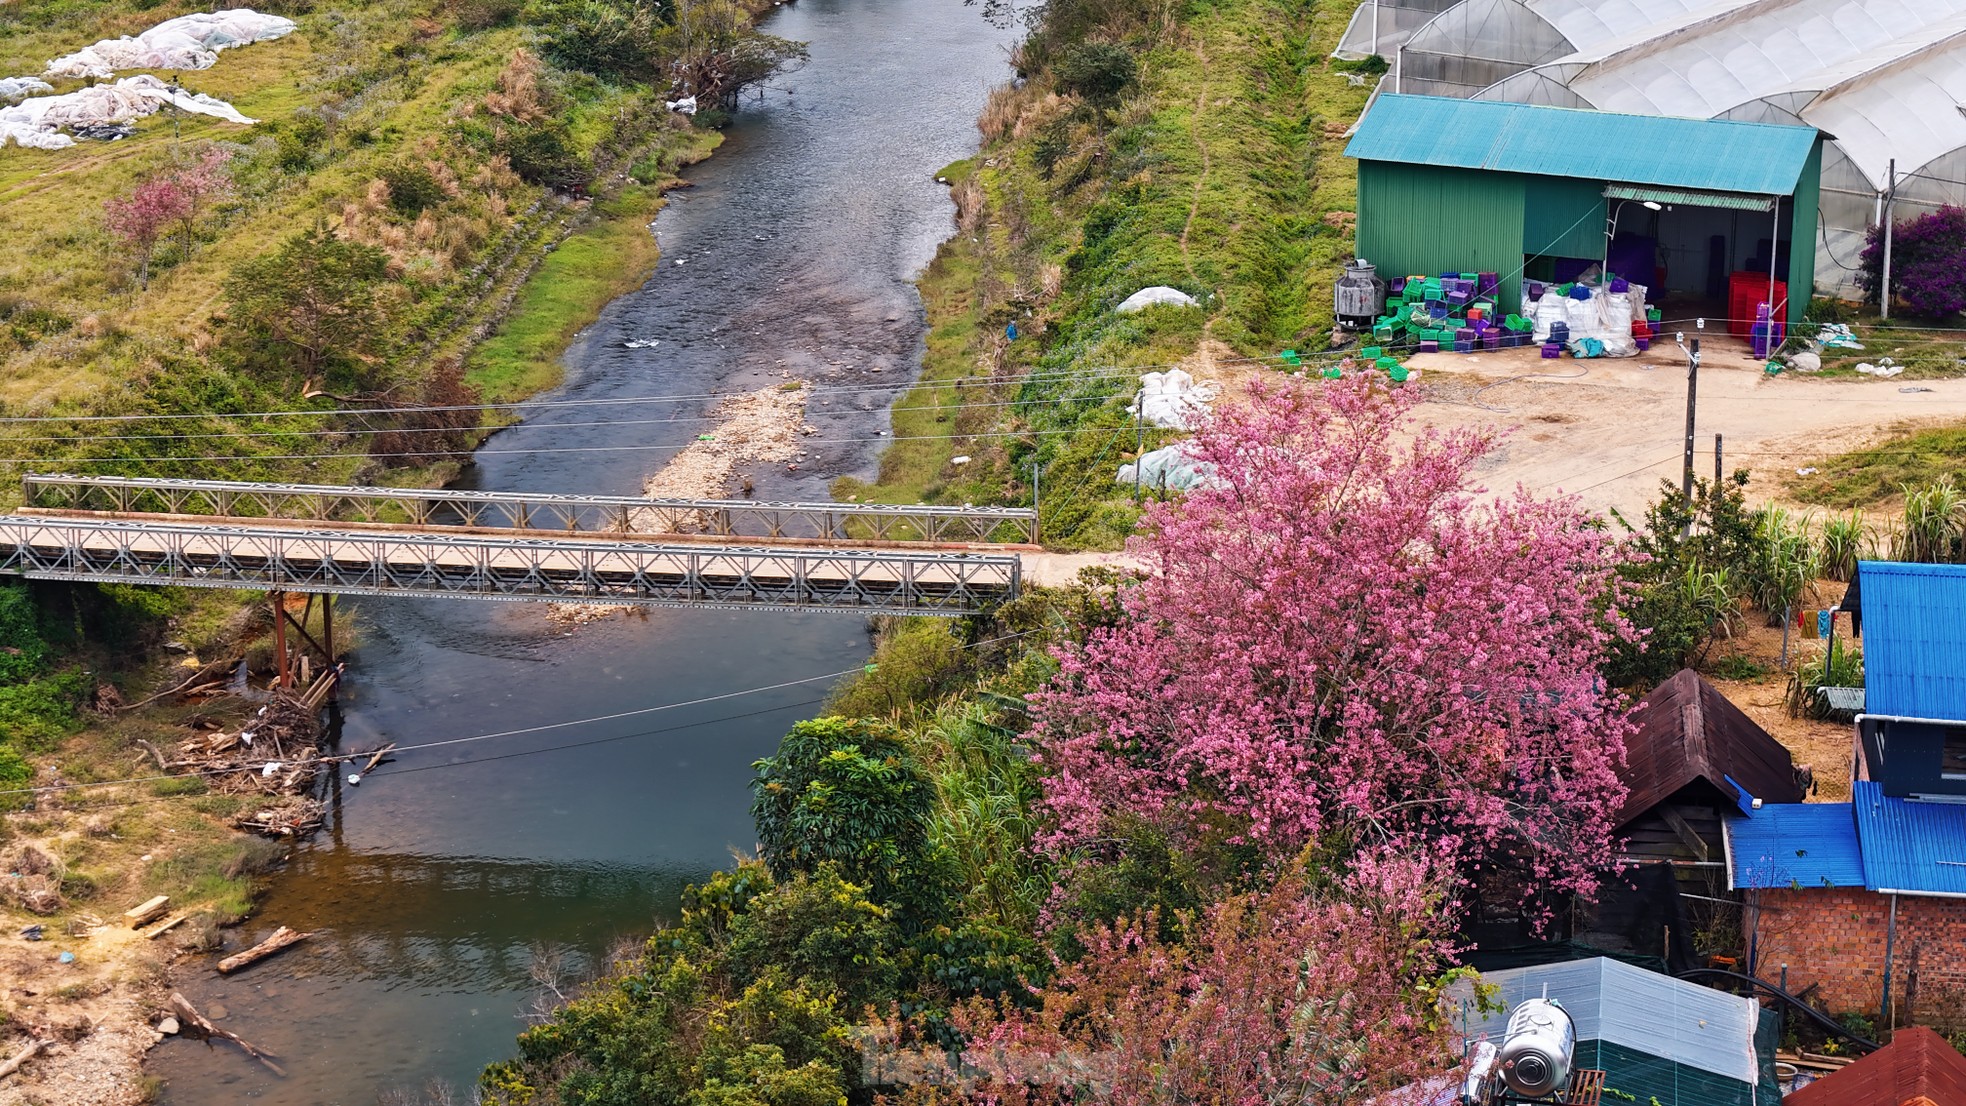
{"x": 1538, "y": 1048}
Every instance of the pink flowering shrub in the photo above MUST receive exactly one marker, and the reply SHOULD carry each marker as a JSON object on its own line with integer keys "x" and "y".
{"x": 1341, "y": 642}
{"x": 1304, "y": 992}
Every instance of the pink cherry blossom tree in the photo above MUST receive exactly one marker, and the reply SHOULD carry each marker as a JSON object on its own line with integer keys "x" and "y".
{"x": 203, "y": 180}
{"x": 139, "y": 220}
{"x": 1341, "y": 640}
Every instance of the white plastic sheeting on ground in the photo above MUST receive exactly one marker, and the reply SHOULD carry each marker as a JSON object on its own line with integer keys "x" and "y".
{"x": 1171, "y": 400}
{"x": 12, "y": 87}
{"x": 38, "y": 121}
{"x": 187, "y": 42}
{"x": 1172, "y": 468}
{"x": 1155, "y": 296}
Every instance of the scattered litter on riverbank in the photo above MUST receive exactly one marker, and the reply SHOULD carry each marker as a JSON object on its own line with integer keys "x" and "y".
{"x": 275, "y": 754}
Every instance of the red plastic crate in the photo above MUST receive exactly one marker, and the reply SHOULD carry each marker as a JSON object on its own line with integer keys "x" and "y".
{"x": 1744, "y": 292}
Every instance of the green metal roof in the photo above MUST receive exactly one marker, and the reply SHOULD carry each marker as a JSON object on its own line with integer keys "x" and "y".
{"x": 1688, "y": 197}
{"x": 1709, "y": 154}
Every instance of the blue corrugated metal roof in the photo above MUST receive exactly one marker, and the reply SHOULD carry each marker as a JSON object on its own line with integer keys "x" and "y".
{"x": 1795, "y": 845}
{"x": 1721, "y": 155}
{"x": 1914, "y": 847}
{"x": 1914, "y": 639}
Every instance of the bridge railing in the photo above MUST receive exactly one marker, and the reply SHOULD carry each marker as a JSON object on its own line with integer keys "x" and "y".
{"x": 588, "y": 570}
{"x": 590, "y": 514}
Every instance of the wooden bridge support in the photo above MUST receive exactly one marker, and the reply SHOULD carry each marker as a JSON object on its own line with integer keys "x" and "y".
{"x": 283, "y": 663}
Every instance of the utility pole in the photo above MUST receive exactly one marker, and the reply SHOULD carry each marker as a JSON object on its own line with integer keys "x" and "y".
{"x": 1716, "y": 464}
{"x": 1139, "y": 439}
{"x": 1890, "y": 201}
{"x": 1692, "y": 391}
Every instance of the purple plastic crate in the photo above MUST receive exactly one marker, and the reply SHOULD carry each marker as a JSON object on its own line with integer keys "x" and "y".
{"x": 1620, "y": 284}
{"x": 1644, "y": 343}
{"x": 1429, "y": 346}
{"x": 1552, "y": 350}
{"x": 1466, "y": 334}
{"x": 1464, "y": 347}
{"x": 1395, "y": 286}
{"x": 1488, "y": 282}
{"x": 1536, "y": 288}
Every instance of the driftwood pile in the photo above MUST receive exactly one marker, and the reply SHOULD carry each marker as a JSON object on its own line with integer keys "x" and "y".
{"x": 276, "y": 753}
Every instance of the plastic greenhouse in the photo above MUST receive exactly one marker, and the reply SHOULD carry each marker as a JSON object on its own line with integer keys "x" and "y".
{"x": 1885, "y": 79}
{"x": 1656, "y": 1038}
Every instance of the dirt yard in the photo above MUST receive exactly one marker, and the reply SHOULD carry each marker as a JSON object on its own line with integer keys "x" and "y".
{"x": 1609, "y": 430}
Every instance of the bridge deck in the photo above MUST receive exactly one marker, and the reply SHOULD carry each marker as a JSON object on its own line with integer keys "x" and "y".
{"x": 235, "y": 554}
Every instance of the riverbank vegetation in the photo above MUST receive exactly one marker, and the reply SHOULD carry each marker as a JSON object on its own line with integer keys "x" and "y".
{"x": 1197, "y": 146}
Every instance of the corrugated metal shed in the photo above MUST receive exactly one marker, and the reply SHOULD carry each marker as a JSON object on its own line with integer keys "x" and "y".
{"x": 1910, "y": 847}
{"x": 1707, "y": 154}
{"x": 1914, "y": 639}
{"x": 1917, "y": 1064}
{"x": 1646, "y": 1012}
{"x": 1688, "y": 733}
{"x": 1794, "y": 845}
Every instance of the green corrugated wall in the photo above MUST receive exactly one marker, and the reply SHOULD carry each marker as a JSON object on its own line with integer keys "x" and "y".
{"x": 1424, "y": 219}
{"x": 1562, "y": 217}
{"x": 1802, "y": 234}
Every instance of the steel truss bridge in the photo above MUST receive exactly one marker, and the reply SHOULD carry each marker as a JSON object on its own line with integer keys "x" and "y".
{"x": 516, "y": 547}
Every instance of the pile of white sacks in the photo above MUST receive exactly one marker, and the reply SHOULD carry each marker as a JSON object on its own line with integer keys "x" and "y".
{"x": 187, "y": 42}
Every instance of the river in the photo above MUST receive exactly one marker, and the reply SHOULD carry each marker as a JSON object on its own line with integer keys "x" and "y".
{"x": 439, "y": 876}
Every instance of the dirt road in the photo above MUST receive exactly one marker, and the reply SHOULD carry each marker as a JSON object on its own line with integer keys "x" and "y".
{"x": 1609, "y": 430}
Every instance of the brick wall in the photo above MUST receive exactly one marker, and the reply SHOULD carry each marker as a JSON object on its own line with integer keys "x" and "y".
{"x": 1834, "y": 937}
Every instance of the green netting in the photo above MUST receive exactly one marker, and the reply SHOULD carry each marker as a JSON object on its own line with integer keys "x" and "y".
{"x": 1632, "y": 1076}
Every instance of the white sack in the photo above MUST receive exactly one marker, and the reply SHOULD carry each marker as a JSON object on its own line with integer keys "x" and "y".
{"x": 1171, "y": 400}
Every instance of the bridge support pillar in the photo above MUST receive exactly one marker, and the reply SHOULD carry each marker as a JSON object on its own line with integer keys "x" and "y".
{"x": 283, "y": 659}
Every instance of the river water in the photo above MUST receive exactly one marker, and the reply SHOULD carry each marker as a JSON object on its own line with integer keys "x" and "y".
{"x": 440, "y": 875}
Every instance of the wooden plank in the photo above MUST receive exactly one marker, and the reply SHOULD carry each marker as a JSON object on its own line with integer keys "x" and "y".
{"x": 1680, "y": 826}
{"x": 148, "y": 911}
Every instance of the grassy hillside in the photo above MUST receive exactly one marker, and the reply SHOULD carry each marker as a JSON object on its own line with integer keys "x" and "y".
{"x": 441, "y": 136}
{"x": 1198, "y": 147}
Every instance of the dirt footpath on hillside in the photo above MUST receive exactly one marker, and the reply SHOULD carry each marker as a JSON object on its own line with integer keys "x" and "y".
{"x": 1609, "y": 430}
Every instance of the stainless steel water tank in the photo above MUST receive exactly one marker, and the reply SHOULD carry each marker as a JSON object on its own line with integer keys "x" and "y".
{"x": 1538, "y": 1048}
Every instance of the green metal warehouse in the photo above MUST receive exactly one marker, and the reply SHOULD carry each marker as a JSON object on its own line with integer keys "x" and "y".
{"x": 1688, "y": 207}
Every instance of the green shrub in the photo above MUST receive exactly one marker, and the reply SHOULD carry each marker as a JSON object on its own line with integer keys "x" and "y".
{"x": 412, "y": 188}
{"x": 1837, "y": 665}
{"x": 1934, "y": 526}
{"x": 41, "y": 711}
{"x": 1098, "y": 71}
{"x": 612, "y": 39}
{"x": 15, "y": 774}
{"x": 916, "y": 661}
{"x": 1844, "y": 542}
{"x": 849, "y": 793}
{"x": 22, "y": 652}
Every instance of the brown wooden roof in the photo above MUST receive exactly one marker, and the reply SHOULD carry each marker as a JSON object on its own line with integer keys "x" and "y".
{"x": 1918, "y": 1065}
{"x": 1688, "y": 733}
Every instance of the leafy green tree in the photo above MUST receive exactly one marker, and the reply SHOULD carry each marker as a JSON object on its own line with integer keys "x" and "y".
{"x": 849, "y": 793}
{"x": 746, "y": 1001}
{"x": 1684, "y": 578}
{"x": 312, "y": 302}
{"x": 714, "y": 51}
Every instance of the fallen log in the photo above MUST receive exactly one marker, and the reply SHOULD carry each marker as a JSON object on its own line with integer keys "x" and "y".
{"x": 282, "y": 938}
{"x": 377, "y": 758}
{"x": 197, "y": 1025}
{"x": 147, "y": 911}
{"x": 32, "y": 1050}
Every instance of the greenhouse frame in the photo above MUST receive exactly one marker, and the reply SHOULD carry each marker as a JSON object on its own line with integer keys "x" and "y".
{"x": 1884, "y": 80}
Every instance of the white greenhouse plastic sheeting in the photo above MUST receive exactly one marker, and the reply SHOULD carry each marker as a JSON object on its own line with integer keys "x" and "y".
{"x": 12, "y": 87}
{"x": 37, "y": 122}
{"x": 187, "y": 42}
{"x": 1644, "y": 1011}
{"x": 1151, "y": 297}
{"x": 1170, "y": 467}
{"x": 1171, "y": 400}
{"x": 1886, "y": 79}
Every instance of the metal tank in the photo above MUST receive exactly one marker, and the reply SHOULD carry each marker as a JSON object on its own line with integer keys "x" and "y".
{"x": 1537, "y": 1049}
{"x": 1360, "y": 295}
